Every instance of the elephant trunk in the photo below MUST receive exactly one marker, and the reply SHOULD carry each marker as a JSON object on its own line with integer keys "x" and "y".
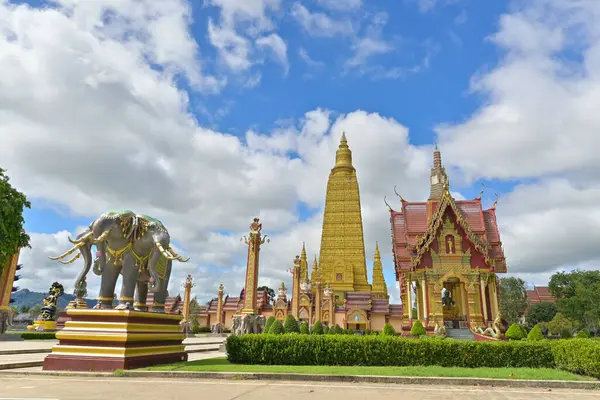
{"x": 86, "y": 252}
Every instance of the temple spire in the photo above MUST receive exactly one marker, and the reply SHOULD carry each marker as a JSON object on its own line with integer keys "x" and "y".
{"x": 379, "y": 286}
{"x": 438, "y": 178}
{"x": 303, "y": 265}
{"x": 343, "y": 155}
{"x": 314, "y": 275}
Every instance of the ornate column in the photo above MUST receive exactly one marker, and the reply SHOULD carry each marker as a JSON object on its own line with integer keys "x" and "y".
{"x": 7, "y": 278}
{"x": 187, "y": 296}
{"x": 494, "y": 298}
{"x": 436, "y": 305}
{"x": 482, "y": 285}
{"x": 475, "y": 317}
{"x": 220, "y": 317}
{"x": 409, "y": 295}
{"x": 425, "y": 302}
{"x": 317, "y": 302}
{"x": 328, "y": 293}
{"x": 296, "y": 287}
{"x": 254, "y": 241}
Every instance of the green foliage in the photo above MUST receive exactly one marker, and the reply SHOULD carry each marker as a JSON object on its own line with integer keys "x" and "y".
{"x": 269, "y": 291}
{"x": 561, "y": 325}
{"x": 388, "y": 330}
{"x": 338, "y": 330}
{"x": 304, "y": 328}
{"x": 418, "y": 329}
{"x": 38, "y": 335}
{"x": 541, "y": 312}
{"x": 325, "y": 329}
{"x": 535, "y": 333}
{"x": 195, "y": 325}
{"x": 582, "y": 334}
{"x": 12, "y": 204}
{"x": 578, "y": 296}
{"x": 317, "y": 328}
{"x": 268, "y": 324}
{"x": 512, "y": 299}
{"x": 276, "y": 328}
{"x": 290, "y": 325}
{"x": 580, "y": 356}
{"x": 388, "y": 351}
{"x": 515, "y": 332}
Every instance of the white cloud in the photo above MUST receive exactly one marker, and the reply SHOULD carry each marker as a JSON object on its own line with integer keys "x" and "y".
{"x": 340, "y": 5}
{"x": 320, "y": 24}
{"x": 278, "y": 47}
{"x": 253, "y": 13}
{"x": 233, "y": 49}
{"x": 303, "y": 54}
{"x": 371, "y": 44}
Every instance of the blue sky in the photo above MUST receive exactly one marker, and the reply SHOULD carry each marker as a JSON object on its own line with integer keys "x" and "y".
{"x": 154, "y": 106}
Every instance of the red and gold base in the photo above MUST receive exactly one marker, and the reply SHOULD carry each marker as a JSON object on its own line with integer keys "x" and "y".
{"x": 107, "y": 340}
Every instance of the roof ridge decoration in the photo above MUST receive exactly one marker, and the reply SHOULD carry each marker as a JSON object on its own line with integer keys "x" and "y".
{"x": 424, "y": 241}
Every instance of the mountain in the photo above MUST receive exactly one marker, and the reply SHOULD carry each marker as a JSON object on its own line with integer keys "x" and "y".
{"x": 27, "y": 298}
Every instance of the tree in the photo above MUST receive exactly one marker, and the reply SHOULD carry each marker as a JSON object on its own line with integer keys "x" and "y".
{"x": 578, "y": 295}
{"x": 338, "y": 330}
{"x": 541, "y": 312}
{"x": 290, "y": 325}
{"x": 388, "y": 330}
{"x": 269, "y": 291}
{"x": 35, "y": 311}
{"x": 561, "y": 325}
{"x": 513, "y": 299}
{"x": 418, "y": 329}
{"x": 277, "y": 328}
{"x": 268, "y": 324}
{"x": 12, "y": 204}
{"x": 325, "y": 330}
{"x": 535, "y": 333}
{"x": 304, "y": 328}
{"x": 515, "y": 332}
{"x": 317, "y": 328}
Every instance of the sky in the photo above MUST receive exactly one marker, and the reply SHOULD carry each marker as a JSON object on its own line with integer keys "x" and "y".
{"x": 207, "y": 113}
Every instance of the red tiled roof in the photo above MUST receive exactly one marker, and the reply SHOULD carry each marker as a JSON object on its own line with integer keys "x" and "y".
{"x": 540, "y": 294}
{"x": 411, "y": 222}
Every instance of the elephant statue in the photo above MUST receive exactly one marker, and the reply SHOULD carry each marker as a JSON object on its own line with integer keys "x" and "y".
{"x": 135, "y": 246}
{"x": 244, "y": 324}
{"x": 216, "y": 328}
{"x": 236, "y": 324}
{"x": 258, "y": 323}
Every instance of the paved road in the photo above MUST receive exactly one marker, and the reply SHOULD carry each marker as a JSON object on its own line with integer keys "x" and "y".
{"x": 75, "y": 388}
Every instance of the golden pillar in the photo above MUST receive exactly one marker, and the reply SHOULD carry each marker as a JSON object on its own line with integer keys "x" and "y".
{"x": 7, "y": 278}
{"x": 330, "y": 297}
{"x": 494, "y": 298}
{"x": 187, "y": 297}
{"x": 482, "y": 285}
{"x": 409, "y": 295}
{"x": 425, "y": 302}
{"x": 254, "y": 241}
{"x": 220, "y": 316}
{"x": 296, "y": 287}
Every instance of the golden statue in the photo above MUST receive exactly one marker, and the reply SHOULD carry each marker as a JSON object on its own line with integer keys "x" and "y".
{"x": 255, "y": 226}
{"x": 450, "y": 245}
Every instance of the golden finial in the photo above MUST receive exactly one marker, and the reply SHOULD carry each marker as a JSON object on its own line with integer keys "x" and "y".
{"x": 343, "y": 139}
{"x": 386, "y": 203}
{"x": 343, "y": 155}
{"x": 400, "y": 197}
{"x": 436, "y": 146}
{"x": 495, "y": 202}
{"x": 377, "y": 253}
{"x": 482, "y": 190}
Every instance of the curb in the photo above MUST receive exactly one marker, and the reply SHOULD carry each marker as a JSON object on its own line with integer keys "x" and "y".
{"x": 23, "y": 364}
{"x": 24, "y": 351}
{"x": 265, "y": 376}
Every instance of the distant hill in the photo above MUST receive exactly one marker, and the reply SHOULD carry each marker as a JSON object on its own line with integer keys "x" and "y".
{"x": 27, "y": 298}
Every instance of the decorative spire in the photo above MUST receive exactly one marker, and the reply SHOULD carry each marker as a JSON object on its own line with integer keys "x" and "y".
{"x": 314, "y": 276}
{"x": 303, "y": 265}
{"x": 438, "y": 177}
{"x": 379, "y": 286}
{"x": 343, "y": 155}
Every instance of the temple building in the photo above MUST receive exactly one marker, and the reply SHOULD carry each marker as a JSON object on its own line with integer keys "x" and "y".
{"x": 446, "y": 256}
{"x": 447, "y": 253}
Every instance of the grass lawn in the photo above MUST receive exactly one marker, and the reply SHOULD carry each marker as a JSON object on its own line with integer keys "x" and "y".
{"x": 222, "y": 365}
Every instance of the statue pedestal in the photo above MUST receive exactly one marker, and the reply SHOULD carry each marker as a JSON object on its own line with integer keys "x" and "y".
{"x": 63, "y": 317}
{"x": 107, "y": 340}
{"x": 43, "y": 326}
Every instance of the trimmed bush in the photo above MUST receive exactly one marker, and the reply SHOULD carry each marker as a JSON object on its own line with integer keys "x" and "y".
{"x": 304, "y": 328}
{"x": 418, "y": 329}
{"x": 582, "y": 335}
{"x": 325, "y": 330}
{"x": 580, "y": 356}
{"x": 290, "y": 325}
{"x": 535, "y": 334}
{"x": 268, "y": 324}
{"x": 388, "y": 330}
{"x": 338, "y": 330}
{"x": 390, "y": 351}
{"x": 276, "y": 328}
{"x": 38, "y": 335}
{"x": 317, "y": 328}
{"x": 515, "y": 332}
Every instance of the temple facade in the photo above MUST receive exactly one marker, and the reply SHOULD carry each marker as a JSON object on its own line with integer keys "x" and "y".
{"x": 446, "y": 252}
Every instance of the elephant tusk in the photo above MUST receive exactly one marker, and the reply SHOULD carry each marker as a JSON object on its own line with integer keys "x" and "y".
{"x": 71, "y": 260}
{"x": 68, "y": 252}
{"x": 164, "y": 253}
{"x": 101, "y": 238}
{"x": 177, "y": 256}
{"x": 81, "y": 239}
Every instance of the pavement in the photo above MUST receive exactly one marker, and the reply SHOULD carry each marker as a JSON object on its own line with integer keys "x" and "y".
{"x": 77, "y": 388}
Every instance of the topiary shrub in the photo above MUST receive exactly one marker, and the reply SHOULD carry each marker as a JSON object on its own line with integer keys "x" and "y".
{"x": 268, "y": 324}
{"x": 582, "y": 334}
{"x": 388, "y": 330}
{"x": 38, "y": 335}
{"x": 524, "y": 330}
{"x": 535, "y": 334}
{"x": 304, "y": 328}
{"x": 276, "y": 328}
{"x": 290, "y": 325}
{"x": 418, "y": 329}
{"x": 515, "y": 332}
{"x": 338, "y": 330}
{"x": 325, "y": 329}
{"x": 317, "y": 328}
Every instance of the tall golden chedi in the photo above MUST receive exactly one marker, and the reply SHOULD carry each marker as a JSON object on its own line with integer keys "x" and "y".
{"x": 342, "y": 256}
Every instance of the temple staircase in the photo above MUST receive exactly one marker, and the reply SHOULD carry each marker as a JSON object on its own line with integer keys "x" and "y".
{"x": 459, "y": 334}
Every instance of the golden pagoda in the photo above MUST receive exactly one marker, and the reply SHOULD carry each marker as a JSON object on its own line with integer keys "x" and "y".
{"x": 342, "y": 257}
{"x": 379, "y": 286}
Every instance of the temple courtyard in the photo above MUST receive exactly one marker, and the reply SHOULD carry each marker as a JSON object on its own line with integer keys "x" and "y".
{"x": 71, "y": 388}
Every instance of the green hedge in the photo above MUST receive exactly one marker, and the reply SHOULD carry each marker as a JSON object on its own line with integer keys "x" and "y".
{"x": 38, "y": 335}
{"x": 383, "y": 351}
{"x": 580, "y": 356}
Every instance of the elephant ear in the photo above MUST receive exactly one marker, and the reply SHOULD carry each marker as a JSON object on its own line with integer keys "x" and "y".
{"x": 161, "y": 267}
